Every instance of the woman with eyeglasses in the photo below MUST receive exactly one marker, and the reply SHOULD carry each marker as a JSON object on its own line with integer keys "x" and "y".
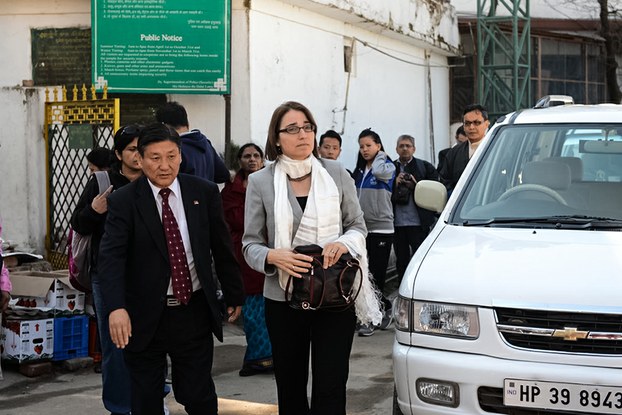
{"x": 88, "y": 218}
{"x": 373, "y": 176}
{"x": 300, "y": 200}
{"x": 258, "y": 356}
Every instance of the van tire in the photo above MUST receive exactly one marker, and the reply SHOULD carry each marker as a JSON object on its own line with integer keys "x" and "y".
{"x": 396, "y": 407}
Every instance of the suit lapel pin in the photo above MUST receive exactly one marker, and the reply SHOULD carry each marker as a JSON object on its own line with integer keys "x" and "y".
{"x": 195, "y": 202}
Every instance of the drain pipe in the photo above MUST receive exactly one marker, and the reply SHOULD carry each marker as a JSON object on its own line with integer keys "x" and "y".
{"x": 431, "y": 144}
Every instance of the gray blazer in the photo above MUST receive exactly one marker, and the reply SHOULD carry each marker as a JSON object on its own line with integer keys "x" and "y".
{"x": 259, "y": 219}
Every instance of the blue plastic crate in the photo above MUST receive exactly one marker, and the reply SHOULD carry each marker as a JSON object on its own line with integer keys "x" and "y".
{"x": 71, "y": 337}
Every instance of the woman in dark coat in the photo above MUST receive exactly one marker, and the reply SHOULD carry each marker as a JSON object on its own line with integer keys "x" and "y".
{"x": 258, "y": 357}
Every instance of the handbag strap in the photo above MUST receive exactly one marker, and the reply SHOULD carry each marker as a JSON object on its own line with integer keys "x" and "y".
{"x": 351, "y": 264}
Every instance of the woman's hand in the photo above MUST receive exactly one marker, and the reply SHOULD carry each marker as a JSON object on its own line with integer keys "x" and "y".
{"x": 233, "y": 313}
{"x": 100, "y": 202}
{"x": 288, "y": 261}
{"x": 332, "y": 252}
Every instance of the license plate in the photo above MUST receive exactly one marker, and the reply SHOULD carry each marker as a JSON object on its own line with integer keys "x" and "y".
{"x": 563, "y": 396}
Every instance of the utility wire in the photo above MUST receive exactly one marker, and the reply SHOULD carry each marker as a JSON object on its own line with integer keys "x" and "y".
{"x": 366, "y": 44}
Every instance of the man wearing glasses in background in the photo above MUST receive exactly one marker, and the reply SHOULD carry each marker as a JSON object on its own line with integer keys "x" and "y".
{"x": 475, "y": 121}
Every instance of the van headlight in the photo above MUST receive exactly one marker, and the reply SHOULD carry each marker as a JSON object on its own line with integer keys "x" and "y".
{"x": 445, "y": 319}
{"x": 436, "y": 318}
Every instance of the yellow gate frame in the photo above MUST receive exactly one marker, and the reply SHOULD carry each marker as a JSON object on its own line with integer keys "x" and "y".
{"x": 66, "y": 168}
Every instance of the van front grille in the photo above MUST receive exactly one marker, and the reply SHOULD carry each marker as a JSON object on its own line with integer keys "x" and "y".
{"x": 591, "y": 333}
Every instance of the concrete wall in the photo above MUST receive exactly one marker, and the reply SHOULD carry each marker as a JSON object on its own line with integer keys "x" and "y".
{"x": 281, "y": 50}
{"x": 22, "y": 151}
{"x": 22, "y": 147}
{"x": 388, "y": 88}
{"x": 429, "y": 23}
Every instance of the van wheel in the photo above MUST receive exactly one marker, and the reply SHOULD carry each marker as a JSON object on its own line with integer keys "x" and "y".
{"x": 396, "y": 407}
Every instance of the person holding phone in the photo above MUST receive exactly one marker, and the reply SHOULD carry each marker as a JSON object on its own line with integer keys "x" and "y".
{"x": 88, "y": 218}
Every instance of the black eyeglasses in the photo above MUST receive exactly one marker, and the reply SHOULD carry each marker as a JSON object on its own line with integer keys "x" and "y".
{"x": 294, "y": 129}
{"x": 476, "y": 123}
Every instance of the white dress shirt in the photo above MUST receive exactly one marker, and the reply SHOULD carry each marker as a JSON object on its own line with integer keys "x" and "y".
{"x": 177, "y": 206}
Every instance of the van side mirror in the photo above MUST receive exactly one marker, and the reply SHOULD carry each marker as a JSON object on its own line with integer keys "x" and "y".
{"x": 431, "y": 195}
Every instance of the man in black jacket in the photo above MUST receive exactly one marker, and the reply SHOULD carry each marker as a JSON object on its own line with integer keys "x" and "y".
{"x": 88, "y": 218}
{"x": 412, "y": 223}
{"x": 155, "y": 269}
{"x": 475, "y": 121}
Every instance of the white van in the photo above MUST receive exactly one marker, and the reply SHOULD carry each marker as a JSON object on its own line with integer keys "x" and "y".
{"x": 513, "y": 304}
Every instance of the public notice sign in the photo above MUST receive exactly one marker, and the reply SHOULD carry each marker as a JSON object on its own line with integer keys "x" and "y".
{"x": 161, "y": 46}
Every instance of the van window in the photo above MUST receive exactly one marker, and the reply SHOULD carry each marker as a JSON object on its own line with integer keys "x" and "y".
{"x": 536, "y": 171}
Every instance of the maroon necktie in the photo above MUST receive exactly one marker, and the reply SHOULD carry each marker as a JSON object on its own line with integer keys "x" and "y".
{"x": 182, "y": 284}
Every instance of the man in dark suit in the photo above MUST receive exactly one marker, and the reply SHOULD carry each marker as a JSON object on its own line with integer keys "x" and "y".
{"x": 475, "y": 121}
{"x": 156, "y": 308}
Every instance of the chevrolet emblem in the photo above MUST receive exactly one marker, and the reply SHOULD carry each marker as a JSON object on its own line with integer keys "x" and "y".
{"x": 570, "y": 334}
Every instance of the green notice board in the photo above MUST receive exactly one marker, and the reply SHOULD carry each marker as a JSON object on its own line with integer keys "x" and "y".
{"x": 80, "y": 136}
{"x": 161, "y": 46}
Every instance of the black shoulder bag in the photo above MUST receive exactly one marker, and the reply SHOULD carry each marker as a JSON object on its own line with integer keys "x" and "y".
{"x": 331, "y": 289}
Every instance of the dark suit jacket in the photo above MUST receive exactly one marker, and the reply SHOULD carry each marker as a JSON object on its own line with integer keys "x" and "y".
{"x": 442, "y": 156}
{"x": 455, "y": 163}
{"x": 134, "y": 270}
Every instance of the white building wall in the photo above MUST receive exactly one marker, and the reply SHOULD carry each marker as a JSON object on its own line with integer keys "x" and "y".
{"x": 281, "y": 50}
{"x": 240, "y": 74}
{"x": 22, "y": 146}
{"x": 22, "y": 167}
{"x": 17, "y": 18}
{"x": 387, "y": 93}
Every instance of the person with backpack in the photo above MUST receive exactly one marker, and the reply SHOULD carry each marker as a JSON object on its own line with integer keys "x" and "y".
{"x": 411, "y": 223}
{"x": 88, "y": 218}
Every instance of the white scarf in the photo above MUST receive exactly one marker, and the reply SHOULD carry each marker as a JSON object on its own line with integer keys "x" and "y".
{"x": 320, "y": 224}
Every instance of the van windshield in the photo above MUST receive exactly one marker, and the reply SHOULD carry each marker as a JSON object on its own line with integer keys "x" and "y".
{"x": 548, "y": 174}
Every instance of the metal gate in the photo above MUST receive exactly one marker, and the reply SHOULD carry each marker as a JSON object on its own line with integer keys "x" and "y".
{"x": 72, "y": 128}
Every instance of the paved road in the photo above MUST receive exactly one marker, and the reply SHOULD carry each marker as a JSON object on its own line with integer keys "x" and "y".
{"x": 370, "y": 388}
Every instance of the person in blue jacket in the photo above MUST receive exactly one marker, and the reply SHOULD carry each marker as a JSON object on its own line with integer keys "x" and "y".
{"x": 373, "y": 175}
{"x": 198, "y": 156}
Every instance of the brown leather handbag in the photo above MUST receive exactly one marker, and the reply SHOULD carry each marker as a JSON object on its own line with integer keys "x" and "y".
{"x": 333, "y": 289}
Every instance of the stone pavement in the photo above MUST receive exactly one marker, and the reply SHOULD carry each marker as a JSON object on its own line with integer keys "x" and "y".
{"x": 370, "y": 386}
